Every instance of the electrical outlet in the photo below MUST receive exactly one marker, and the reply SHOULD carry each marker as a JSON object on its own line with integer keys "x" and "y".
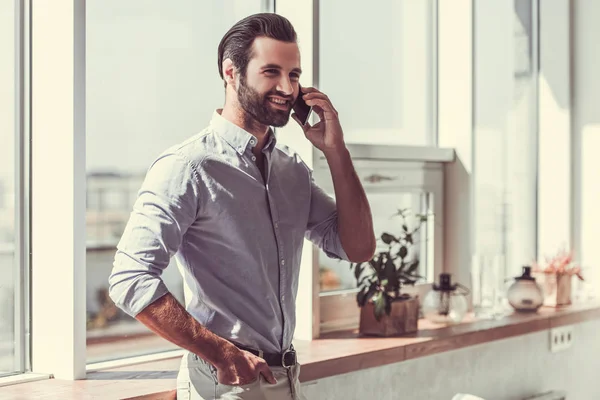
{"x": 561, "y": 338}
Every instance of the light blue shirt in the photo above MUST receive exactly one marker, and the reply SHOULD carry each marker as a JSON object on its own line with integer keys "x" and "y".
{"x": 237, "y": 239}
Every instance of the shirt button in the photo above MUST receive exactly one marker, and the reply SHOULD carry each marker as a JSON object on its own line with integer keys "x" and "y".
{"x": 276, "y": 225}
{"x": 282, "y": 262}
{"x": 240, "y": 149}
{"x": 282, "y": 298}
{"x": 253, "y": 158}
{"x": 252, "y": 142}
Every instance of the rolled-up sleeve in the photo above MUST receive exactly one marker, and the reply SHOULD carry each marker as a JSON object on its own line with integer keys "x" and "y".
{"x": 167, "y": 204}
{"x": 322, "y": 227}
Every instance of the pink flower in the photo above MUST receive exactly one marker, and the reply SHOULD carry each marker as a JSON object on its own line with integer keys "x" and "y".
{"x": 560, "y": 264}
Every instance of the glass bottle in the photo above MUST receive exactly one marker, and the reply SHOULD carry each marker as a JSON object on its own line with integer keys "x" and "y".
{"x": 446, "y": 302}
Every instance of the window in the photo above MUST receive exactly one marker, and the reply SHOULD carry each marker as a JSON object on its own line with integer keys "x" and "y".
{"x": 337, "y": 275}
{"x": 390, "y": 185}
{"x": 12, "y": 262}
{"x": 377, "y": 64}
{"x": 152, "y": 82}
{"x": 505, "y": 136}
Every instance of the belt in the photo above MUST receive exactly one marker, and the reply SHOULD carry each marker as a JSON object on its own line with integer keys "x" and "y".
{"x": 287, "y": 359}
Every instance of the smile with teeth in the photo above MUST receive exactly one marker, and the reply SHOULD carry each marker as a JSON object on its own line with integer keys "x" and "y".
{"x": 277, "y": 101}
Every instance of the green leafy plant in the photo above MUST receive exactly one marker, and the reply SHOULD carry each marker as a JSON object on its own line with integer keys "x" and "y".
{"x": 381, "y": 279}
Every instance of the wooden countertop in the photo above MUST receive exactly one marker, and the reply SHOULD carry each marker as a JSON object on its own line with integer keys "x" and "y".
{"x": 343, "y": 352}
{"x": 333, "y": 354}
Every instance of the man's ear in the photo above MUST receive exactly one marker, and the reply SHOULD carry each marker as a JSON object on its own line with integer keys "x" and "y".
{"x": 229, "y": 72}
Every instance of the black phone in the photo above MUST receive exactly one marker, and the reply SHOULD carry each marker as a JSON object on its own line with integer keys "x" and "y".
{"x": 301, "y": 109}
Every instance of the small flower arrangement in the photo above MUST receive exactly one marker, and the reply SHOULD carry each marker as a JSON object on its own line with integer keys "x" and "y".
{"x": 560, "y": 264}
{"x": 558, "y": 272}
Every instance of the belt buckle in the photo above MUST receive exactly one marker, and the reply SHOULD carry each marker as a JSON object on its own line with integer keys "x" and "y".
{"x": 288, "y": 358}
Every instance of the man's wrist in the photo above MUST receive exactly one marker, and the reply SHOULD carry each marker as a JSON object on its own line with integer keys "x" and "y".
{"x": 216, "y": 352}
{"x": 220, "y": 353}
{"x": 336, "y": 153}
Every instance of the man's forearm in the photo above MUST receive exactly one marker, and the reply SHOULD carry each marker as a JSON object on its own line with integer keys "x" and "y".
{"x": 355, "y": 223}
{"x": 170, "y": 320}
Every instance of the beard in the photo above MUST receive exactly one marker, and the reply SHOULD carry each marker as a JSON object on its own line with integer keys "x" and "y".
{"x": 257, "y": 106}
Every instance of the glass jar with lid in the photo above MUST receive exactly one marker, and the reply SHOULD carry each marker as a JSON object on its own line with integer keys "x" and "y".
{"x": 525, "y": 294}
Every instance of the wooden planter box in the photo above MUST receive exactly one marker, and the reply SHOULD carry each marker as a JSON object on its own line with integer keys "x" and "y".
{"x": 402, "y": 320}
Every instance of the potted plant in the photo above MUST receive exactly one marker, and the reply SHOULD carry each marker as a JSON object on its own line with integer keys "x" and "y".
{"x": 558, "y": 272}
{"x": 385, "y": 310}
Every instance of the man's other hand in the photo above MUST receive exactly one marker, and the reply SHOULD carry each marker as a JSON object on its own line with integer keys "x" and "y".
{"x": 239, "y": 367}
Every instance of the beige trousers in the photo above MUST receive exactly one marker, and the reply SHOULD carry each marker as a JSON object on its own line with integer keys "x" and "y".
{"x": 197, "y": 380}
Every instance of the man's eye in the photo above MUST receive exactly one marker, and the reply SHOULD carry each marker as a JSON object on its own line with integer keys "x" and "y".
{"x": 271, "y": 71}
{"x": 294, "y": 77}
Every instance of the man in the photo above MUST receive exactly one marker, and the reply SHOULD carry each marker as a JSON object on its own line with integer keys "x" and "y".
{"x": 233, "y": 207}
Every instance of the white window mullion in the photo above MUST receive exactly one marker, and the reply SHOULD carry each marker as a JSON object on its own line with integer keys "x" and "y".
{"x": 554, "y": 162}
{"x": 58, "y": 188}
{"x": 455, "y": 130}
{"x": 21, "y": 189}
{"x": 585, "y": 65}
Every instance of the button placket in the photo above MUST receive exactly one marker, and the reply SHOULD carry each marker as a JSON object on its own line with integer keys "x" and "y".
{"x": 281, "y": 257}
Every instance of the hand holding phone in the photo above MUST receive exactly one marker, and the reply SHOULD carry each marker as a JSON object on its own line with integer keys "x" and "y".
{"x": 301, "y": 109}
{"x": 327, "y": 134}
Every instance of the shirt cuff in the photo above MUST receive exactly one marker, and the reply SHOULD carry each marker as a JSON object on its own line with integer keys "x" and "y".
{"x": 337, "y": 250}
{"x": 134, "y": 290}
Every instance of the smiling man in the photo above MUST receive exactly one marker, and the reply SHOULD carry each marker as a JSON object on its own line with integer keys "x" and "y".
{"x": 233, "y": 206}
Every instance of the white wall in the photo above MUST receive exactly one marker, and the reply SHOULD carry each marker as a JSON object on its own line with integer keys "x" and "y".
{"x": 586, "y": 134}
{"x": 509, "y": 369}
{"x": 554, "y": 116}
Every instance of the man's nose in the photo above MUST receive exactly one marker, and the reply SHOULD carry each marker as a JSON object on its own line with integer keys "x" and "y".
{"x": 285, "y": 86}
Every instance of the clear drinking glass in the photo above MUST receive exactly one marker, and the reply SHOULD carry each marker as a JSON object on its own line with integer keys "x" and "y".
{"x": 488, "y": 276}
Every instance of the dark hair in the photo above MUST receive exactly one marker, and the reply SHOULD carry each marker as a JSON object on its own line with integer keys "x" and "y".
{"x": 237, "y": 42}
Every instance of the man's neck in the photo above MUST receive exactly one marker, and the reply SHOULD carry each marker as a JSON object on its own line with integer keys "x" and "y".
{"x": 240, "y": 118}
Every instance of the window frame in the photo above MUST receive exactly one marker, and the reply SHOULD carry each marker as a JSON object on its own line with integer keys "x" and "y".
{"x": 19, "y": 249}
{"x": 423, "y": 173}
{"x": 22, "y": 185}
{"x": 58, "y": 342}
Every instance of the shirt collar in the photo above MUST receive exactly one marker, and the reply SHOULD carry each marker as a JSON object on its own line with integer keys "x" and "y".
{"x": 237, "y": 137}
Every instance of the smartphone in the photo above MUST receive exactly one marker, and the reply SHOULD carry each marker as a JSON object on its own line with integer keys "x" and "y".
{"x": 301, "y": 109}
